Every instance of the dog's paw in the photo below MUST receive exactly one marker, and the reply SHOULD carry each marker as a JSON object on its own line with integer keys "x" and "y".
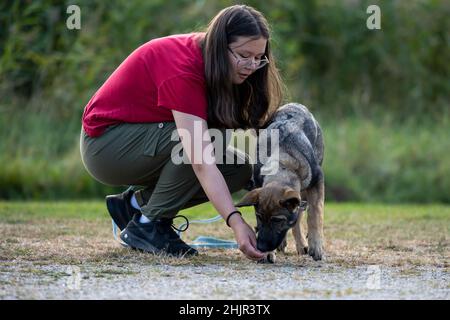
{"x": 270, "y": 258}
{"x": 301, "y": 250}
{"x": 315, "y": 249}
{"x": 315, "y": 253}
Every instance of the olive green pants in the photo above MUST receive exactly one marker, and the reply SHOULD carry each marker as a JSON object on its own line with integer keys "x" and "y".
{"x": 140, "y": 155}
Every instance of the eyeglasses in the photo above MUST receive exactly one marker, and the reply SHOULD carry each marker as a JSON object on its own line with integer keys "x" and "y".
{"x": 249, "y": 62}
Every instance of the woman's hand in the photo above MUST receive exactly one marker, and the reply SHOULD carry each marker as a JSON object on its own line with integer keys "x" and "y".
{"x": 246, "y": 238}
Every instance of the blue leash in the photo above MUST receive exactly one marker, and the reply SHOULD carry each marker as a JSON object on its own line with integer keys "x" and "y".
{"x": 209, "y": 242}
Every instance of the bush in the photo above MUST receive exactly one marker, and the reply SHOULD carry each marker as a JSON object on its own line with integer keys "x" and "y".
{"x": 351, "y": 77}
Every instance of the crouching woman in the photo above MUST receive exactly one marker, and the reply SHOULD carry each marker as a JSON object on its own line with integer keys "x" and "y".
{"x": 223, "y": 78}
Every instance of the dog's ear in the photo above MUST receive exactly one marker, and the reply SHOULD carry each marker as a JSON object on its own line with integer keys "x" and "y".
{"x": 250, "y": 198}
{"x": 290, "y": 199}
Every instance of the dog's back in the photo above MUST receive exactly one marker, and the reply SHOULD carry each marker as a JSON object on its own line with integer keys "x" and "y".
{"x": 300, "y": 137}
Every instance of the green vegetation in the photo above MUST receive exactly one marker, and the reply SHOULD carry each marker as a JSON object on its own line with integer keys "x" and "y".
{"x": 389, "y": 162}
{"x": 381, "y": 96}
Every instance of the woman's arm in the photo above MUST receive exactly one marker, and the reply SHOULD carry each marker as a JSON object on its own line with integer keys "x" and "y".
{"x": 212, "y": 179}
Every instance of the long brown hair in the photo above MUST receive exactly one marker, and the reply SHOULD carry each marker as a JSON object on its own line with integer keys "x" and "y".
{"x": 250, "y": 104}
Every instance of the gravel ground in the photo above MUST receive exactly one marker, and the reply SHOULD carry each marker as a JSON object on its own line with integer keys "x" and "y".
{"x": 371, "y": 252}
{"x": 230, "y": 281}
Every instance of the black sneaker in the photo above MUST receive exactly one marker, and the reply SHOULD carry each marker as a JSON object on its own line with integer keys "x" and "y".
{"x": 157, "y": 236}
{"x": 120, "y": 208}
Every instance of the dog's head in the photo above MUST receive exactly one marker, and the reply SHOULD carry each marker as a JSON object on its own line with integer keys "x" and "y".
{"x": 277, "y": 208}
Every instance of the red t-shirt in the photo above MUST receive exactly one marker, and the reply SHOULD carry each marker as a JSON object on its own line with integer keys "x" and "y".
{"x": 163, "y": 74}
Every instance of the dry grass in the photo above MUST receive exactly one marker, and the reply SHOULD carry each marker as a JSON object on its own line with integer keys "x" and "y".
{"x": 45, "y": 246}
{"x": 408, "y": 240}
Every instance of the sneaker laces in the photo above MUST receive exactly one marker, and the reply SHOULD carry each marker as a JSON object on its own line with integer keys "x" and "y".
{"x": 168, "y": 225}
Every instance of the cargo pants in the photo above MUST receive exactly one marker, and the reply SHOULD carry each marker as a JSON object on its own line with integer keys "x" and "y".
{"x": 139, "y": 154}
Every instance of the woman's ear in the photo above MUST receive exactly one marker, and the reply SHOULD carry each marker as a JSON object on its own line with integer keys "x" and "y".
{"x": 250, "y": 198}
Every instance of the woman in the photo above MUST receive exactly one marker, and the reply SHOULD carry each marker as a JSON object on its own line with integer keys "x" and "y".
{"x": 224, "y": 78}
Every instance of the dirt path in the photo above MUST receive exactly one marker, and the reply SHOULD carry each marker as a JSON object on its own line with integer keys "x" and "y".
{"x": 221, "y": 281}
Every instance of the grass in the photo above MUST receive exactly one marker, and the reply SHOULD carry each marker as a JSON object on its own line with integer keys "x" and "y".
{"x": 79, "y": 232}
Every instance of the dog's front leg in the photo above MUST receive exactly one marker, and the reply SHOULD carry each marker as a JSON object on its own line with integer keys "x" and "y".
{"x": 300, "y": 241}
{"x": 315, "y": 196}
{"x": 271, "y": 257}
{"x": 283, "y": 245}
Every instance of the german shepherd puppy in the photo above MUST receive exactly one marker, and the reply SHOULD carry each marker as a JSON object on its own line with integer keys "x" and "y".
{"x": 277, "y": 198}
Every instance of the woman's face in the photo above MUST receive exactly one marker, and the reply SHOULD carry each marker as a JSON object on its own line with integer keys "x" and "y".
{"x": 243, "y": 51}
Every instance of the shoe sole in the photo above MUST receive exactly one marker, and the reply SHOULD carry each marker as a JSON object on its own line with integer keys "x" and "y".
{"x": 138, "y": 243}
{"x": 141, "y": 245}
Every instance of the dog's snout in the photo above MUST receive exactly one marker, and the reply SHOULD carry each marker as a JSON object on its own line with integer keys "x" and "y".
{"x": 268, "y": 240}
{"x": 263, "y": 247}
